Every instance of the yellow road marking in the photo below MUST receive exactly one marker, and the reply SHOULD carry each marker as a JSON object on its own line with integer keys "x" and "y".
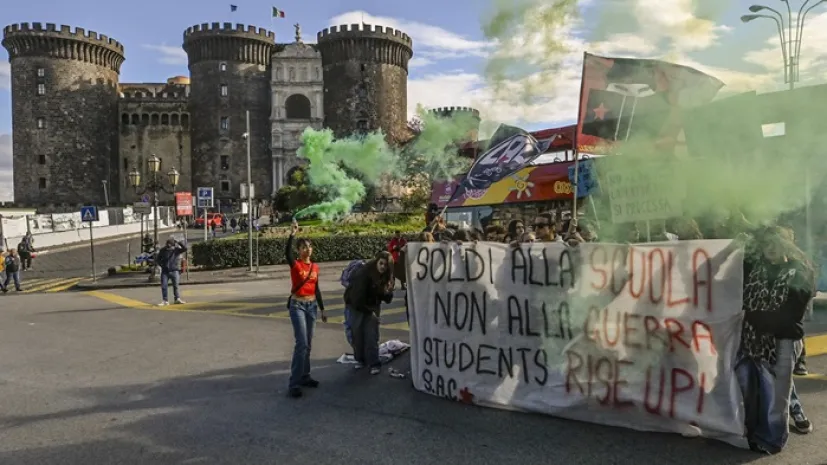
{"x": 207, "y": 292}
{"x": 69, "y": 284}
{"x": 816, "y": 345}
{"x": 51, "y": 285}
{"x": 403, "y": 325}
{"x": 119, "y": 300}
{"x": 39, "y": 284}
{"x": 814, "y": 375}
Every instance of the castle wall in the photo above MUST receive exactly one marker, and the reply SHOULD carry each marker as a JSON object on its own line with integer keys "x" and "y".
{"x": 365, "y": 78}
{"x": 229, "y": 69}
{"x": 155, "y": 125}
{"x": 64, "y": 113}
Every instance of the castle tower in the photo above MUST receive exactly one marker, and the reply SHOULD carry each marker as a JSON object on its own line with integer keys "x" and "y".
{"x": 229, "y": 72}
{"x": 365, "y": 79}
{"x": 449, "y": 112}
{"x": 64, "y": 86}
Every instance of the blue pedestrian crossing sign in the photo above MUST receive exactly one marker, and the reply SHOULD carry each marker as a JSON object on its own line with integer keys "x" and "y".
{"x": 89, "y": 213}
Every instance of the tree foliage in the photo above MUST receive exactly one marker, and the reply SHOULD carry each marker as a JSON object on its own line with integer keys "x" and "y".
{"x": 297, "y": 194}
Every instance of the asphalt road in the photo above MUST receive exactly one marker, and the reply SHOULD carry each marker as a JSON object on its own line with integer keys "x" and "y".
{"x": 59, "y": 269}
{"x": 84, "y": 379}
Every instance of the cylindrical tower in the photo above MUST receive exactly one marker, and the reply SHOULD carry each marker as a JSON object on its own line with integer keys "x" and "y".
{"x": 472, "y": 113}
{"x": 229, "y": 72}
{"x": 64, "y": 86}
{"x": 365, "y": 79}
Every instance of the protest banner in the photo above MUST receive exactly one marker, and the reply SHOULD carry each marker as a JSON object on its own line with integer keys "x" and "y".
{"x": 642, "y": 337}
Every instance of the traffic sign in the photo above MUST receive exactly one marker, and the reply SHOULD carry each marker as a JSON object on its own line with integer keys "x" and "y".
{"x": 145, "y": 198}
{"x": 205, "y": 197}
{"x": 89, "y": 213}
{"x": 142, "y": 208}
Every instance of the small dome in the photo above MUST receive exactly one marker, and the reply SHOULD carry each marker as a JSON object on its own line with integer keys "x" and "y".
{"x": 179, "y": 80}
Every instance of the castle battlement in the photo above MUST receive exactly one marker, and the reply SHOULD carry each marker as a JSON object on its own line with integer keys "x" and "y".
{"x": 24, "y": 40}
{"x": 65, "y": 32}
{"x": 225, "y": 42}
{"x": 228, "y": 29}
{"x": 447, "y": 111}
{"x": 363, "y": 31}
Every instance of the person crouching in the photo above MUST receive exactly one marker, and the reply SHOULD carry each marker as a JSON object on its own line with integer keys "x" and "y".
{"x": 370, "y": 285}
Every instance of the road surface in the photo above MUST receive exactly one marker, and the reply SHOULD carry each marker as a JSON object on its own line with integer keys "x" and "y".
{"x": 84, "y": 379}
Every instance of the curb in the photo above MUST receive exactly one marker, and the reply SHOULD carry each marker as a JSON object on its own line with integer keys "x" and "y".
{"x": 95, "y": 286}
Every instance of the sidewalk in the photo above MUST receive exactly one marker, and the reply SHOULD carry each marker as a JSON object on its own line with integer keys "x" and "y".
{"x": 140, "y": 278}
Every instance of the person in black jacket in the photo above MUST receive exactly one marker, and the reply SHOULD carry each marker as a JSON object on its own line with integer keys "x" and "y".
{"x": 169, "y": 260}
{"x": 12, "y": 264}
{"x": 370, "y": 285}
{"x": 778, "y": 284}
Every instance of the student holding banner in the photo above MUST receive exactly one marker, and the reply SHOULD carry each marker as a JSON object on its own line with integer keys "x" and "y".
{"x": 777, "y": 287}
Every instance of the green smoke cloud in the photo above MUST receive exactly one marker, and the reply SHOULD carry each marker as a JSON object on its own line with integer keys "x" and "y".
{"x": 430, "y": 156}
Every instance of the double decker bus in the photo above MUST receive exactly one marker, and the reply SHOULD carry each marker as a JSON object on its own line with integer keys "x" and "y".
{"x": 542, "y": 186}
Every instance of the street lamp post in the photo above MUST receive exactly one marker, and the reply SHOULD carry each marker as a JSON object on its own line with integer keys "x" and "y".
{"x": 154, "y": 184}
{"x": 791, "y": 54}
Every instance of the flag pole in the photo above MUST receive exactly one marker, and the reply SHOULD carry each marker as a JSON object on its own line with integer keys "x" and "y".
{"x": 576, "y": 148}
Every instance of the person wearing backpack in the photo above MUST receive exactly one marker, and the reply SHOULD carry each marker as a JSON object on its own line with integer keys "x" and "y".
{"x": 370, "y": 285}
{"x": 347, "y": 274}
{"x": 304, "y": 303}
{"x": 12, "y": 265}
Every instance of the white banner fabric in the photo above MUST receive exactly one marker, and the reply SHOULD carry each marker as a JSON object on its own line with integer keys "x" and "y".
{"x": 642, "y": 337}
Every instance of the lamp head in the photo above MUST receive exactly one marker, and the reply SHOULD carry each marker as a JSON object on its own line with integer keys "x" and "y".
{"x": 154, "y": 164}
{"x": 757, "y": 8}
{"x": 173, "y": 176}
{"x": 135, "y": 178}
{"x": 748, "y": 18}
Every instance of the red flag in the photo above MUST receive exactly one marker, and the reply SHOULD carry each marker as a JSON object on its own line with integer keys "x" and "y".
{"x": 626, "y": 98}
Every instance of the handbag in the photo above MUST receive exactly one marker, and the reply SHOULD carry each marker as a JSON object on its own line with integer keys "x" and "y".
{"x": 306, "y": 279}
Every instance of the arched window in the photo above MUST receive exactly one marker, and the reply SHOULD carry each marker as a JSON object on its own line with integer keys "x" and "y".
{"x": 154, "y": 119}
{"x": 125, "y": 119}
{"x": 297, "y": 106}
{"x": 136, "y": 118}
{"x": 165, "y": 119}
{"x": 185, "y": 120}
{"x": 174, "y": 120}
{"x": 145, "y": 119}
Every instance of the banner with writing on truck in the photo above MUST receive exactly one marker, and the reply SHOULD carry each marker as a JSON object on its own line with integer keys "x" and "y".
{"x": 642, "y": 337}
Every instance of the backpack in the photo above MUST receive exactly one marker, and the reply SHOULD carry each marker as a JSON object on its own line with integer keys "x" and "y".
{"x": 351, "y": 268}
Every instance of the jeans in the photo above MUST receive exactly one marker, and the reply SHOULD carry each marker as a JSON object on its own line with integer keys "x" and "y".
{"x": 348, "y": 323}
{"x": 770, "y": 397}
{"x": 303, "y": 318}
{"x": 15, "y": 275}
{"x": 365, "y": 327}
{"x": 166, "y": 277}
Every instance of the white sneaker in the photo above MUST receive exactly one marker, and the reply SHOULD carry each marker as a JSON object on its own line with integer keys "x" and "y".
{"x": 163, "y": 304}
{"x": 357, "y": 366}
{"x": 179, "y": 301}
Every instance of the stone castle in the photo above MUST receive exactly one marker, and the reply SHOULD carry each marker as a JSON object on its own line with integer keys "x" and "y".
{"x": 78, "y": 131}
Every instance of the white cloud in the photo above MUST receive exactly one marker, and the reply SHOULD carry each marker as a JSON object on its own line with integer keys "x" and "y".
{"x": 812, "y": 57}
{"x": 419, "y": 62}
{"x": 428, "y": 40}
{"x": 6, "y": 183}
{"x": 5, "y": 75}
{"x": 169, "y": 55}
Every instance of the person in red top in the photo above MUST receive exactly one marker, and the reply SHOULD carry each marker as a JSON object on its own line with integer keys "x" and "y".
{"x": 396, "y": 247}
{"x": 304, "y": 302}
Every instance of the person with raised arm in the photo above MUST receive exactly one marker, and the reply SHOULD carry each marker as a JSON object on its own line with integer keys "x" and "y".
{"x": 303, "y": 305}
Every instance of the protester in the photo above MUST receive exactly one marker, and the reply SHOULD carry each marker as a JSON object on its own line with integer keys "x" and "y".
{"x": 25, "y": 250}
{"x": 369, "y": 286}
{"x": 495, "y": 233}
{"x": 544, "y": 227}
{"x": 777, "y": 286}
{"x": 304, "y": 303}
{"x": 515, "y": 230}
{"x": 169, "y": 259}
{"x": 396, "y": 247}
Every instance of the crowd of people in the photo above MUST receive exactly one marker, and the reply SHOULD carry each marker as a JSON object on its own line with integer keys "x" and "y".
{"x": 779, "y": 285}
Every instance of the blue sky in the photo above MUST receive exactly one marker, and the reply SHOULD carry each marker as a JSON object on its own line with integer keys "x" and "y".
{"x": 450, "y": 51}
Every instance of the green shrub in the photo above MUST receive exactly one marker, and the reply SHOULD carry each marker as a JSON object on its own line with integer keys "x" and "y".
{"x": 233, "y": 253}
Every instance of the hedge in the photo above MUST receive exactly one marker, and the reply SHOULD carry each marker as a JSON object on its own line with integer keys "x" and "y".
{"x": 233, "y": 253}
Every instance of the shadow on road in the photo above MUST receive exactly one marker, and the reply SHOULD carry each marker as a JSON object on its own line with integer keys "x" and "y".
{"x": 242, "y": 416}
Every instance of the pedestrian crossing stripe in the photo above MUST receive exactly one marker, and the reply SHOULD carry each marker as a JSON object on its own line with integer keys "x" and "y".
{"x": 48, "y": 285}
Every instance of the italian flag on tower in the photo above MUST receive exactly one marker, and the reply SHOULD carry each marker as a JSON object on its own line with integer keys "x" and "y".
{"x": 277, "y": 13}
